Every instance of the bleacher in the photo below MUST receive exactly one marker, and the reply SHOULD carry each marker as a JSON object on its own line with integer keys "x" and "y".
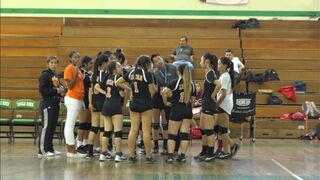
{"x": 294, "y": 52}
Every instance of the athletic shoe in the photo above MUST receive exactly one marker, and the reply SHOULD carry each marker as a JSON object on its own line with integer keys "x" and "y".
{"x": 209, "y": 158}
{"x": 234, "y": 149}
{"x": 155, "y": 150}
{"x": 132, "y": 159}
{"x": 96, "y": 152}
{"x": 89, "y": 156}
{"x": 224, "y": 156}
{"x": 120, "y": 157}
{"x": 217, "y": 154}
{"x": 181, "y": 158}
{"x": 105, "y": 156}
{"x": 75, "y": 155}
{"x": 55, "y": 152}
{"x": 47, "y": 154}
{"x": 149, "y": 160}
{"x": 170, "y": 159}
{"x": 140, "y": 145}
{"x": 81, "y": 149}
{"x": 201, "y": 154}
{"x": 164, "y": 152}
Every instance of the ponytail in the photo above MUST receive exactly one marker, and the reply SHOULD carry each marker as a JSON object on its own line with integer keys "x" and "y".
{"x": 229, "y": 64}
{"x": 186, "y": 76}
{"x": 231, "y": 73}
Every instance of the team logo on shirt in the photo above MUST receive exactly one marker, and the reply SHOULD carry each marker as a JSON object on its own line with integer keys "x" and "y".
{"x": 243, "y": 102}
{"x": 55, "y": 81}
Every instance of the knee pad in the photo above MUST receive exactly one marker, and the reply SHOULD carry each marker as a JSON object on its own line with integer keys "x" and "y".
{"x": 216, "y": 129}
{"x": 94, "y": 129}
{"x": 101, "y": 129}
{"x": 172, "y": 137}
{"x": 155, "y": 126}
{"x": 82, "y": 126}
{"x": 184, "y": 136}
{"x": 203, "y": 132}
{"x": 223, "y": 130}
{"x": 107, "y": 134}
{"x": 165, "y": 127}
{"x": 209, "y": 132}
{"x": 118, "y": 134}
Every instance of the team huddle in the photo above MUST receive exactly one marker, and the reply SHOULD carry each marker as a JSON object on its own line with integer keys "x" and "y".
{"x": 160, "y": 97}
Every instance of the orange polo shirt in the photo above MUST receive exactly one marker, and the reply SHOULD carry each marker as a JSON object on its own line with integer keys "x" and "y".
{"x": 77, "y": 91}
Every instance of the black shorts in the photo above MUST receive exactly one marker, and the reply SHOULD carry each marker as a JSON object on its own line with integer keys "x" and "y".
{"x": 140, "y": 107}
{"x": 208, "y": 106}
{"x": 220, "y": 110}
{"x": 157, "y": 102}
{"x": 111, "y": 108}
{"x": 97, "y": 105}
{"x": 180, "y": 112}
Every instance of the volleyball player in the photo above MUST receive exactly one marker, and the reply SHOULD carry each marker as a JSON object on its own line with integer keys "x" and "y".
{"x": 142, "y": 90}
{"x": 112, "y": 110}
{"x": 225, "y": 105}
{"x": 96, "y": 101}
{"x": 85, "y": 114}
{"x": 208, "y": 114}
{"x": 183, "y": 92}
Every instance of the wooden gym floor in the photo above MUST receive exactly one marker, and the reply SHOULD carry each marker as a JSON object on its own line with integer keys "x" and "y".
{"x": 265, "y": 159}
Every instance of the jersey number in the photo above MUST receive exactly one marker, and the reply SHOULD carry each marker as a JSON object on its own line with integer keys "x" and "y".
{"x": 108, "y": 94}
{"x": 136, "y": 90}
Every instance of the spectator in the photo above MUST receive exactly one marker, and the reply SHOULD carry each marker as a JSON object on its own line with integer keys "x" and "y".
{"x": 183, "y": 54}
{"x": 238, "y": 66}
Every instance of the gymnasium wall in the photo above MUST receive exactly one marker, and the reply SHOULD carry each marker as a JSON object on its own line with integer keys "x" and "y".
{"x": 181, "y": 9}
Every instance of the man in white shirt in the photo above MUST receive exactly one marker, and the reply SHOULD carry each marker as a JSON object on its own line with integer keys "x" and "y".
{"x": 238, "y": 66}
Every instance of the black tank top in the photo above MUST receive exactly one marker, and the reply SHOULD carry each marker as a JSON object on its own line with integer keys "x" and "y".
{"x": 177, "y": 91}
{"x": 139, "y": 81}
{"x": 109, "y": 85}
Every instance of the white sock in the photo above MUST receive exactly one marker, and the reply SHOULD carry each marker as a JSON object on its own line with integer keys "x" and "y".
{"x": 85, "y": 142}
{"x": 79, "y": 143}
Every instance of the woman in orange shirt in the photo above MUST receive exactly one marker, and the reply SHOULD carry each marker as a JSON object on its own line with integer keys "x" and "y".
{"x": 73, "y": 101}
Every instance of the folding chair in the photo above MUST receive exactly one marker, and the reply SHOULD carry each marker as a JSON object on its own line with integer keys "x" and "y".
{"x": 6, "y": 118}
{"x": 25, "y": 116}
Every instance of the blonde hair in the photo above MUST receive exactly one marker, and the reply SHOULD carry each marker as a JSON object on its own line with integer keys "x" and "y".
{"x": 186, "y": 76}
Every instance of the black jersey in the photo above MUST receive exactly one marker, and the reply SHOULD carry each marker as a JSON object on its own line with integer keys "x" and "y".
{"x": 97, "y": 98}
{"x": 139, "y": 81}
{"x": 87, "y": 84}
{"x": 108, "y": 83}
{"x": 208, "y": 105}
{"x": 178, "y": 92}
{"x": 112, "y": 104}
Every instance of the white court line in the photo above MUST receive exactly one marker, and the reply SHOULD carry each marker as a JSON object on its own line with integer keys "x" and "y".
{"x": 287, "y": 170}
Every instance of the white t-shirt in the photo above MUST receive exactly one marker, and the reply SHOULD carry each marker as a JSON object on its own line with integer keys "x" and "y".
{"x": 227, "y": 103}
{"x": 237, "y": 64}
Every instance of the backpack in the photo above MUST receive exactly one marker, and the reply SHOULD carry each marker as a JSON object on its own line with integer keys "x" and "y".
{"x": 196, "y": 133}
{"x": 310, "y": 109}
{"x": 267, "y": 75}
{"x": 273, "y": 100}
{"x": 252, "y": 23}
{"x": 300, "y": 86}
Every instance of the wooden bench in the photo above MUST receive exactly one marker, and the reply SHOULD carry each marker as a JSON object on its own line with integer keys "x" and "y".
{"x": 312, "y": 86}
{"x": 30, "y": 42}
{"x": 123, "y": 22}
{"x": 280, "y": 54}
{"x": 275, "y": 43}
{"x": 283, "y": 64}
{"x": 280, "y": 33}
{"x": 261, "y": 99}
{"x": 148, "y": 32}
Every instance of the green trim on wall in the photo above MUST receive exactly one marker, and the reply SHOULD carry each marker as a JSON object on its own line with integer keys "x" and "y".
{"x": 158, "y": 12}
